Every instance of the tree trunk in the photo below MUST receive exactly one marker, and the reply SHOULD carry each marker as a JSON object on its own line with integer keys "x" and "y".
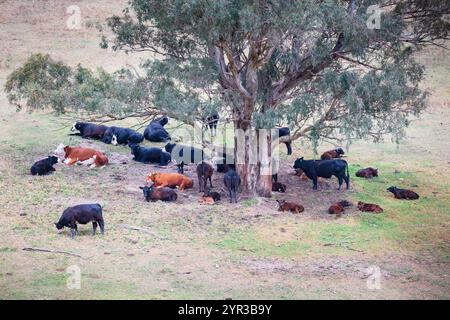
{"x": 253, "y": 158}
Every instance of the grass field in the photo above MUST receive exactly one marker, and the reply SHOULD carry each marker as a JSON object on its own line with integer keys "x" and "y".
{"x": 188, "y": 250}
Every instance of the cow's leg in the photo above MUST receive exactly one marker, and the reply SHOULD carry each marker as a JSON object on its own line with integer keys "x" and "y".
{"x": 314, "y": 179}
{"x": 347, "y": 181}
{"x": 340, "y": 179}
{"x": 231, "y": 195}
{"x": 94, "y": 227}
{"x": 70, "y": 161}
{"x": 210, "y": 181}
{"x": 102, "y": 226}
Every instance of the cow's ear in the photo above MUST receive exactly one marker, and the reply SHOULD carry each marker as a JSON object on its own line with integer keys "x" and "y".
{"x": 301, "y": 158}
{"x": 142, "y": 188}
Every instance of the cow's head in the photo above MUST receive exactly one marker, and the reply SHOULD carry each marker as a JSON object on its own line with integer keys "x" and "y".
{"x": 151, "y": 177}
{"x": 339, "y": 151}
{"x": 169, "y": 147}
{"x": 53, "y": 159}
{"x": 391, "y": 189}
{"x": 114, "y": 140}
{"x": 74, "y": 127}
{"x": 147, "y": 190}
{"x": 163, "y": 121}
{"x": 59, "y": 225}
{"x": 281, "y": 187}
{"x": 298, "y": 164}
{"x": 375, "y": 172}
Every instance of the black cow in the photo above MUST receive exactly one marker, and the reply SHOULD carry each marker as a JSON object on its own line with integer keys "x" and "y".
{"x": 232, "y": 181}
{"x": 183, "y": 154}
{"x": 149, "y": 155}
{"x": 155, "y": 194}
{"x": 83, "y": 214}
{"x": 117, "y": 135}
{"x": 204, "y": 172}
{"x": 155, "y": 130}
{"x": 224, "y": 163}
{"x": 89, "y": 130}
{"x": 44, "y": 166}
{"x": 324, "y": 169}
{"x": 211, "y": 121}
{"x": 282, "y": 132}
{"x": 403, "y": 193}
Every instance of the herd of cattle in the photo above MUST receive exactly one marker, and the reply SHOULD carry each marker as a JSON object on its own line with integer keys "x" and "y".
{"x": 161, "y": 186}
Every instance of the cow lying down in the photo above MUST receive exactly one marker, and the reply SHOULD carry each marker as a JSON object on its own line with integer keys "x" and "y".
{"x": 81, "y": 155}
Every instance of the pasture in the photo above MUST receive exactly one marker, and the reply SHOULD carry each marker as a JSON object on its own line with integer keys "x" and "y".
{"x": 189, "y": 250}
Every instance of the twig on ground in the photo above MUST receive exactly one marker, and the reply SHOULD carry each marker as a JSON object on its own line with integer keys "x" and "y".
{"x": 53, "y": 251}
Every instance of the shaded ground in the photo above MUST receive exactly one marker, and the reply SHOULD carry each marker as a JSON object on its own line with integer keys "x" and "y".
{"x": 188, "y": 250}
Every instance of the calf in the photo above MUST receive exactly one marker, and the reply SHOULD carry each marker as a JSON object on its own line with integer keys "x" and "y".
{"x": 89, "y": 130}
{"x": 211, "y": 121}
{"x": 224, "y": 163}
{"x": 290, "y": 206}
{"x": 279, "y": 187}
{"x": 204, "y": 172}
{"x": 369, "y": 207}
{"x": 83, "y": 214}
{"x": 82, "y": 155}
{"x": 149, "y": 155}
{"x": 155, "y": 194}
{"x": 155, "y": 130}
{"x": 332, "y": 154}
{"x": 325, "y": 169}
{"x": 171, "y": 180}
{"x": 182, "y": 154}
{"x": 212, "y": 194}
{"x": 367, "y": 173}
{"x": 44, "y": 166}
{"x": 117, "y": 135}
{"x": 339, "y": 207}
{"x": 232, "y": 181}
{"x": 403, "y": 193}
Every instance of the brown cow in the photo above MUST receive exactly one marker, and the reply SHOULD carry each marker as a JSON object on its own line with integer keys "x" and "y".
{"x": 369, "y": 207}
{"x": 367, "y": 173}
{"x": 332, "y": 154}
{"x": 290, "y": 206}
{"x": 82, "y": 155}
{"x": 171, "y": 180}
{"x": 339, "y": 207}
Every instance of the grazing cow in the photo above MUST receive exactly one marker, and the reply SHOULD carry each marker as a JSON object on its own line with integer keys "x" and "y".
{"x": 117, "y": 135}
{"x": 232, "y": 181}
{"x": 367, "y": 173}
{"x": 369, "y": 207}
{"x": 83, "y": 214}
{"x": 339, "y": 207}
{"x": 204, "y": 172}
{"x": 44, "y": 166}
{"x": 277, "y": 186}
{"x": 182, "y": 154}
{"x": 149, "y": 155}
{"x": 171, "y": 180}
{"x": 89, "y": 130}
{"x": 155, "y": 194}
{"x": 81, "y": 155}
{"x": 290, "y": 206}
{"x": 325, "y": 169}
{"x": 283, "y": 132}
{"x": 155, "y": 130}
{"x": 403, "y": 193}
{"x": 332, "y": 154}
{"x": 211, "y": 121}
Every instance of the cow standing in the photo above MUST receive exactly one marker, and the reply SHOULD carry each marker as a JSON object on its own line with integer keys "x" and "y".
{"x": 232, "y": 181}
{"x": 83, "y": 214}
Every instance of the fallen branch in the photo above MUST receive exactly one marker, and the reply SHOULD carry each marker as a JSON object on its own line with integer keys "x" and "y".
{"x": 140, "y": 229}
{"x": 53, "y": 251}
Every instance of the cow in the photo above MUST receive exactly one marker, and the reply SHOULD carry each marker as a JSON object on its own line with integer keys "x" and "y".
{"x": 289, "y": 206}
{"x": 283, "y": 132}
{"x": 155, "y": 131}
{"x": 325, "y": 169}
{"x": 279, "y": 187}
{"x": 367, "y": 173}
{"x": 339, "y": 207}
{"x": 154, "y": 194}
{"x": 204, "y": 172}
{"x": 183, "y": 154}
{"x": 44, "y": 166}
{"x": 82, "y": 155}
{"x": 117, "y": 135}
{"x": 224, "y": 163}
{"x": 171, "y": 180}
{"x": 83, "y": 213}
{"x": 369, "y": 207}
{"x": 89, "y": 130}
{"x": 211, "y": 121}
{"x": 403, "y": 193}
{"x": 232, "y": 181}
{"x": 332, "y": 154}
{"x": 149, "y": 155}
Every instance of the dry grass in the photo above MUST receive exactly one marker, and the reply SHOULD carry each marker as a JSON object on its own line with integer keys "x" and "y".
{"x": 248, "y": 250}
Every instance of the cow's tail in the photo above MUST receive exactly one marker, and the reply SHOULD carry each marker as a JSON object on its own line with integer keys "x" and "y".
{"x": 348, "y": 174}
